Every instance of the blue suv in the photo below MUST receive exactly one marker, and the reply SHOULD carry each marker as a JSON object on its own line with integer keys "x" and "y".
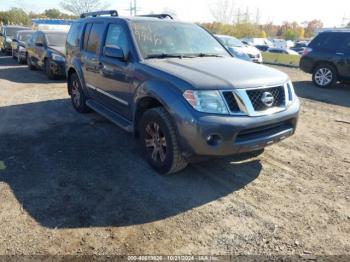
{"x": 176, "y": 87}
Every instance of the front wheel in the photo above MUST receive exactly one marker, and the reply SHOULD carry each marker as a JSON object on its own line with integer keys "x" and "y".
{"x": 48, "y": 71}
{"x": 29, "y": 63}
{"x": 324, "y": 76}
{"x": 158, "y": 139}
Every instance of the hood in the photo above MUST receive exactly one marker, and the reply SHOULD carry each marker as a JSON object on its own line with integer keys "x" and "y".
{"x": 220, "y": 73}
{"x": 58, "y": 49}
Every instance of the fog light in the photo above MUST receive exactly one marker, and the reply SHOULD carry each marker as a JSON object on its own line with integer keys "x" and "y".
{"x": 213, "y": 140}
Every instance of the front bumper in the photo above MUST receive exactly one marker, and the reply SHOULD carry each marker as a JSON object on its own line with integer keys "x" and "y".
{"x": 237, "y": 134}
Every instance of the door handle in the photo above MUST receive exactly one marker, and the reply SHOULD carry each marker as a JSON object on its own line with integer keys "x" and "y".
{"x": 339, "y": 53}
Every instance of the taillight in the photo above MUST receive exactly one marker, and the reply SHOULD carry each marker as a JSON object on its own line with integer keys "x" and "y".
{"x": 307, "y": 51}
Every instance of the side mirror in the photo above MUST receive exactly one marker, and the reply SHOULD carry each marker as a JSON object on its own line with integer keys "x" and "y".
{"x": 40, "y": 44}
{"x": 15, "y": 40}
{"x": 114, "y": 51}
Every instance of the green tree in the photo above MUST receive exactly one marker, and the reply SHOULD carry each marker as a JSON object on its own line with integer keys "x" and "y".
{"x": 52, "y": 13}
{"x": 289, "y": 34}
{"x": 15, "y": 16}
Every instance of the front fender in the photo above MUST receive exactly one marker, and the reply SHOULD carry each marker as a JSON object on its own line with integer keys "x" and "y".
{"x": 172, "y": 100}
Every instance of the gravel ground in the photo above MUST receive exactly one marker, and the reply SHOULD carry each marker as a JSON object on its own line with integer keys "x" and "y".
{"x": 74, "y": 184}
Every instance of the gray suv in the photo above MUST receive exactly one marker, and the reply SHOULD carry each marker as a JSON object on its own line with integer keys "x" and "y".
{"x": 176, "y": 87}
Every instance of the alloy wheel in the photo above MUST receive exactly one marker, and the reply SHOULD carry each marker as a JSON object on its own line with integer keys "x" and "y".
{"x": 75, "y": 93}
{"x": 155, "y": 142}
{"x": 323, "y": 76}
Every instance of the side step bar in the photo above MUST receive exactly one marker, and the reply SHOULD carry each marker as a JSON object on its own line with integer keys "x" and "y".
{"x": 110, "y": 115}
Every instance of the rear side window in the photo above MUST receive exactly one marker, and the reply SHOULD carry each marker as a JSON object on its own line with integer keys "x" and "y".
{"x": 86, "y": 35}
{"x": 332, "y": 42}
{"x": 74, "y": 34}
{"x": 94, "y": 40}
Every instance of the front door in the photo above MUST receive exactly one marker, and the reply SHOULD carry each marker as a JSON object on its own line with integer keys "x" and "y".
{"x": 115, "y": 78}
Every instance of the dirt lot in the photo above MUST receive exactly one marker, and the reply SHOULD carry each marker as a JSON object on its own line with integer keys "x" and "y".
{"x": 74, "y": 184}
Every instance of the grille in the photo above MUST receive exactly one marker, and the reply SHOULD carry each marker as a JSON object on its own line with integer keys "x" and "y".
{"x": 231, "y": 102}
{"x": 256, "y": 95}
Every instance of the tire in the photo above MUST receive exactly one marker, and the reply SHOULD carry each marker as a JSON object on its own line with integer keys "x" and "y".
{"x": 20, "y": 60}
{"x": 159, "y": 142}
{"x": 50, "y": 75}
{"x": 324, "y": 76}
{"x": 30, "y": 64}
{"x": 77, "y": 95}
{"x": 13, "y": 55}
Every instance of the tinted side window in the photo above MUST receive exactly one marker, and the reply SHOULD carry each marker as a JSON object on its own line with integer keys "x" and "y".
{"x": 74, "y": 34}
{"x": 333, "y": 42}
{"x": 319, "y": 40}
{"x": 117, "y": 36}
{"x": 94, "y": 41}
{"x": 345, "y": 46}
{"x": 86, "y": 34}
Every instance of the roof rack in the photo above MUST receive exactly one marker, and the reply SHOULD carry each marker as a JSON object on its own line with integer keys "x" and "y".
{"x": 160, "y": 16}
{"x": 100, "y": 13}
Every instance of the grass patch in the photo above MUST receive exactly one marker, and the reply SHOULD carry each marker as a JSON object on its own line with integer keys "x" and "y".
{"x": 281, "y": 59}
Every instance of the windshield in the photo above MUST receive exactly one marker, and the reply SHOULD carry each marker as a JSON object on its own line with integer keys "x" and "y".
{"x": 162, "y": 38}
{"x": 56, "y": 39}
{"x": 11, "y": 31}
{"x": 24, "y": 36}
{"x": 230, "y": 41}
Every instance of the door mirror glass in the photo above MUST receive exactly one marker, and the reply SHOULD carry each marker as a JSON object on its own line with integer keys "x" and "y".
{"x": 114, "y": 51}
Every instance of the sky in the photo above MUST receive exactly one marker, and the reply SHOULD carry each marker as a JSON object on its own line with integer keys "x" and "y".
{"x": 276, "y": 11}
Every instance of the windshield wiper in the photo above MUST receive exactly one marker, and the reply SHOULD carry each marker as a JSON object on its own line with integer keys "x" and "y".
{"x": 160, "y": 56}
{"x": 207, "y": 55}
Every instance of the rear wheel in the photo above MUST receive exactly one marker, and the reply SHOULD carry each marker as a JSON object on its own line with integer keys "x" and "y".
{"x": 324, "y": 76}
{"x": 78, "y": 97}
{"x": 158, "y": 139}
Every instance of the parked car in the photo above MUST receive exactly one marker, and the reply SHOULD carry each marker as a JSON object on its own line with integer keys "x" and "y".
{"x": 176, "y": 87}
{"x": 45, "y": 50}
{"x": 300, "y": 47}
{"x": 19, "y": 45}
{"x": 257, "y": 41}
{"x": 7, "y": 33}
{"x": 327, "y": 58}
{"x": 240, "y": 50}
{"x": 282, "y": 51}
{"x": 262, "y": 48}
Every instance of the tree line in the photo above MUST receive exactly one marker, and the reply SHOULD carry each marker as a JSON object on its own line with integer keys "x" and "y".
{"x": 288, "y": 30}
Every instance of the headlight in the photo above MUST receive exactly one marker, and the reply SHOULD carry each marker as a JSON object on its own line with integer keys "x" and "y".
{"x": 8, "y": 40}
{"x": 21, "y": 49}
{"x": 206, "y": 101}
{"x": 291, "y": 92}
{"x": 58, "y": 58}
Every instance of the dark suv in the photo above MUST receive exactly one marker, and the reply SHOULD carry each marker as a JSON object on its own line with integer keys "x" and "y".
{"x": 45, "y": 50}
{"x": 327, "y": 58}
{"x": 176, "y": 87}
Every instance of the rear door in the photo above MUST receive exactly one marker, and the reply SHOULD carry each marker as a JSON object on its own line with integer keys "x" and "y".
{"x": 93, "y": 35}
{"x": 343, "y": 55}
